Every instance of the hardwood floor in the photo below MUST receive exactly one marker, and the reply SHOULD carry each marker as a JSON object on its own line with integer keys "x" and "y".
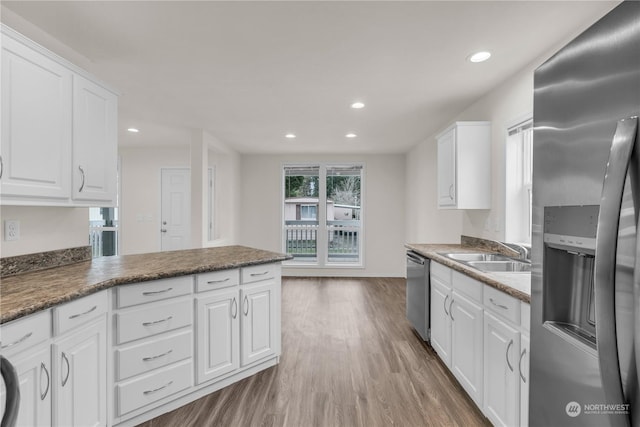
{"x": 349, "y": 358}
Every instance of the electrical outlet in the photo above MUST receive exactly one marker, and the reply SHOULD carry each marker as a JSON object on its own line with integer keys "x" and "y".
{"x": 11, "y": 229}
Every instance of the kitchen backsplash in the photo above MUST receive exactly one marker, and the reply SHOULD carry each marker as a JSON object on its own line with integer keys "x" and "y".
{"x": 10, "y": 266}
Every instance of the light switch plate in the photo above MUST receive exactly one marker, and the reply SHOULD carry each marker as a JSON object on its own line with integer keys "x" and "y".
{"x": 11, "y": 229}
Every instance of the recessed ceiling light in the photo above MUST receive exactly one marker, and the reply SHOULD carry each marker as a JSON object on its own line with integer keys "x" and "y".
{"x": 290, "y": 135}
{"x": 133, "y": 130}
{"x": 351, "y": 135}
{"x": 357, "y": 105}
{"x": 480, "y": 56}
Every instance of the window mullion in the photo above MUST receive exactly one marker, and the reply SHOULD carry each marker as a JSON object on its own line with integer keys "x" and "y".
{"x": 322, "y": 238}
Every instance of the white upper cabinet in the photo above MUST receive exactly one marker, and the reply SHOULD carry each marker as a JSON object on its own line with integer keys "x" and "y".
{"x": 95, "y": 140}
{"x": 59, "y": 130}
{"x": 464, "y": 166}
{"x": 36, "y": 125}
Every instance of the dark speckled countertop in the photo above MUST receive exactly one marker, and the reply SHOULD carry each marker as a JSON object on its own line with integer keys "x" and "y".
{"x": 517, "y": 285}
{"x": 27, "y": 293}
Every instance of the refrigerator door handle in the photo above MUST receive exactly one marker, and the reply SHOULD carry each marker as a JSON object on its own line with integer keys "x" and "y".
{"x": 605, "y": 261}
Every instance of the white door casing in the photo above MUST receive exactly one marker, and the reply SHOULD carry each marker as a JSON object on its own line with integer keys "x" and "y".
{"x": 175, "y": 214}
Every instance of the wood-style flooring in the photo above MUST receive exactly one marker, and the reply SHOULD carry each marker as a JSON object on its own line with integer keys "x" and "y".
{"x": 349, "y": 358}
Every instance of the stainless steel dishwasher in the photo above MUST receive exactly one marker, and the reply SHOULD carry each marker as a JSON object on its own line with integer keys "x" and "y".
{"x": 418, "y": 294}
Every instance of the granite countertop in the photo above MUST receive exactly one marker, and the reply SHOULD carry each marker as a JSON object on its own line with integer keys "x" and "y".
{"x": 27, "y": 293}
{"x": 517, "y": 285}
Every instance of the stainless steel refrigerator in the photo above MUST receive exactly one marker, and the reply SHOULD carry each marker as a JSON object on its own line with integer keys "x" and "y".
{"x": 585, "y": 300}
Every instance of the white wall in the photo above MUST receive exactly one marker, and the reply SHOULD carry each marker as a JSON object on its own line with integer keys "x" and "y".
{"x": 384, "y": 205}
{"x": 140, "y": 195}
{"x": 141, "y": 191}
{"x": 228, "y": 179}
{"x": 45, "y": 229}
{"x": 425, "y": 222}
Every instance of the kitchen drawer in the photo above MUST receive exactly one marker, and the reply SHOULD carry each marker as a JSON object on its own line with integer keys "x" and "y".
{"x": 217, "y": 280}
{"x": 79, "y": 312}
{"x": 155, "y": 290}
{"x": 525, "y": 316}
{"x": 466, "y": 285}
{"x": 154, "y": 353}
{"x": 149, "y": 320}
{"x": 502, "y": 304}
{"x": 152, "y": 387}
{"x": 23, "y": 333}
{"x": 257, "y": 273}
{"x": 441, "y": 272}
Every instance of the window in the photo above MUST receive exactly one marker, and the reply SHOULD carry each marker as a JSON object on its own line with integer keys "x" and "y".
{"x": 309, "y": 212}
{"x": 103, "y": 231}
{"x": 322, "y": 214}
{"x": 519, "y": 167}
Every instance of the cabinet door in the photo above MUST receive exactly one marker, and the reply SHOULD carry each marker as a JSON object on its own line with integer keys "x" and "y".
{"x": 36, "y": 126}
{"x": 447, "y": 169}
{"x": 440, "y": 320}
{"x": 81, "y": 383}
{"x": 94, "y": 142}
{"x": 523, "y": 369}
{"x": 34, "y": 373}
{"x": 501, "y": 377}
{"x": 466, "y": 345}
{"x": 218, "y": 329}
{"x": 258, "y": 324}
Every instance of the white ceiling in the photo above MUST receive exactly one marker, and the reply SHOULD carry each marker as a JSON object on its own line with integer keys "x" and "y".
{"x": 250, "y": 72}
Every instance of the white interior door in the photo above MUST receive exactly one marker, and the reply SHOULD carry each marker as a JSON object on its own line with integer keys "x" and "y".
{"x": 175, "y": 216}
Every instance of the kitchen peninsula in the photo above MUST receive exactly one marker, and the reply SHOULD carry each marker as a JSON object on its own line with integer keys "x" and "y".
{"x": 120, "y": 340}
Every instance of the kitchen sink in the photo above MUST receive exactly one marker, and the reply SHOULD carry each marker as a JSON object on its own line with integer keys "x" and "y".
{"x": 466, "y": 257}
{"x": 490, "y": 262}
{"x": 511, "y": 266}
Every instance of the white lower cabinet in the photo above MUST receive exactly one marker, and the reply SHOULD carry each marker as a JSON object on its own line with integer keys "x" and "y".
{"x": 440, "y": 320}
{"x": 502, "y": 380}
{"x": 34, "y": 373}
{"x": 81, "y": 385}
{"x": 258, "y": 322}
{"x": 60, "y": 356}
{"x": 466, "y": 345}
{"x": 153, "y": 343}
{"x": 482, "y": 336}
{"x": 218, "y": 330}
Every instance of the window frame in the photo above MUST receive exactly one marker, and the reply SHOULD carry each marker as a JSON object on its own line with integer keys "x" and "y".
{"x": 322, "y": 252}
{"x": 517, "y": 190}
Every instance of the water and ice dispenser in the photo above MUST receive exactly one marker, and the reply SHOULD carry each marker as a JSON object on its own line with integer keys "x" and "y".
{"x": 568, "y": 273}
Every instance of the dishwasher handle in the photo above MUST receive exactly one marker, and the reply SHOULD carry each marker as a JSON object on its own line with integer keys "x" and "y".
{"x": 415, "y": 258}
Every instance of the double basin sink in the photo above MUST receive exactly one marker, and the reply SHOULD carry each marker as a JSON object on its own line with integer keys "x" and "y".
{"x": 491, "y": 262}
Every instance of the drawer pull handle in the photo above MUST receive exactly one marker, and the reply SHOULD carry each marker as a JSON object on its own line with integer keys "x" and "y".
{"x": 150, "y": 358}
{"x": 43, "y": 368}
{"x": 66, "y": 360}
{"x": 27, "y": 335}
{"x": 157, "y": 321}
{"x": 507, "y": 356}
{"x": 73, "y": 316}
{"x": 504, "y": 307}
{"x": 259, "y": 274}
{"x": 213, "y": 282}
{"x": 147, "y": 293}
{"x": 158, "y": 389}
